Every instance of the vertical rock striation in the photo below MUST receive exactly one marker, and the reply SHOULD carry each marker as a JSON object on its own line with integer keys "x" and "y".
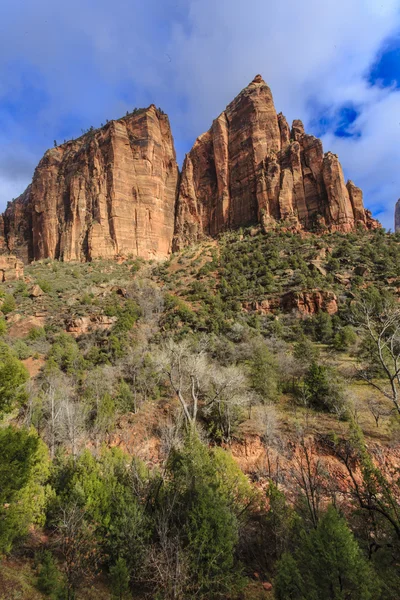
{"x": 111, "y": 192}
{"x": 251, "y": 167}
{"x": 115, "y": 191}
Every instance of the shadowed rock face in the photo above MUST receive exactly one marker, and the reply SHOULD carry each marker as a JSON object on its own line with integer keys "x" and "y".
{"x": 251, "y": 167}
{"x": 111, "y": 192}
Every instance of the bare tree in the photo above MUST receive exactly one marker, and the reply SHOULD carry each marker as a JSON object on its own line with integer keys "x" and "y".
{"x": 72, "y": 423}
{"x": 186, "y": 371}
{"x": 309, "y": 475}
{"x": 377, "y": 409}
{"x": 77, "y": 544}
{"x": 148, "y": 296}
{"x": 57, "y": 393}
{"x": 227, "y": 395}
{"x": 140, "y": 372}
{"x": 382, "y": 330}
{"x": 375, "y": 489}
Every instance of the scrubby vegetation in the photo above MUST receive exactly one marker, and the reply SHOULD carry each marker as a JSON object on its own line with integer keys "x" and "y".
{"x": 182, "y": 433}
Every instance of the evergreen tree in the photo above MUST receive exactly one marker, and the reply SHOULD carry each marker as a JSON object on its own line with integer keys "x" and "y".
{"x": 327, "y": 565}
{"x": 119, "y": 574}
{"x": 24, "y": 468}
{"x": 13, "y": 375}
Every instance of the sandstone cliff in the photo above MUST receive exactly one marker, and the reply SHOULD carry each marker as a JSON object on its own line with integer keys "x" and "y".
{"x": 111, "y": 192}
{"x": 114, "y": 191}
{"x": 251, "y": 167}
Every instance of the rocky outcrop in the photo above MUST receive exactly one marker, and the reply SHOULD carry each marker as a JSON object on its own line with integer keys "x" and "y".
{"x": 79, "y": 325}
{"x": 304, "y": 303}
{"x": 11, "y": 268}
{"x": 112, "y": 192}
{"x": 397, "y": 217}
{"x": 251, "y": 167}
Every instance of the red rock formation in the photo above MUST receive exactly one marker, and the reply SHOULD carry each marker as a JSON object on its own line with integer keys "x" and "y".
{"x": 11, "y": 268}
{"x": 250, "y": 167}
{"x": 111, "y": 192}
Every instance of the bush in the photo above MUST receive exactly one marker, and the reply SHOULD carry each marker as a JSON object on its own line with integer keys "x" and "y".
{"x": 13, "y": 375}
{"x": 21, "y": 350}
{"x": 8, "y": 304}
{"x": 48, "y": 580}
{"x": 36, "y": 333}
{"x": 24, "y": 468}
{"x": 324, "y": 389}
{"x": 3, "y": 327}
{"x": 45, "y": 286}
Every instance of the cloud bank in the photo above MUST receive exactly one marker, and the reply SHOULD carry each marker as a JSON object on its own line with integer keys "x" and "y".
{"x": 334, "y": 64}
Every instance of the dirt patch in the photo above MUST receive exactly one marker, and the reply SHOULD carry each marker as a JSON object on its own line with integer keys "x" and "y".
{"x": 34, "y": 365}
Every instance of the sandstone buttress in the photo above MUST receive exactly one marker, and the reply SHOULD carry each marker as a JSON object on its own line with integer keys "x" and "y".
{"x": 111, "y": 192}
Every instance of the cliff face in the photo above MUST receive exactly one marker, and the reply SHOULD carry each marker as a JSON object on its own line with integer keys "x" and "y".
{"x": 251, "y": 167}
{"x": 111, "y": 192}
{"x": 114, "y": 191}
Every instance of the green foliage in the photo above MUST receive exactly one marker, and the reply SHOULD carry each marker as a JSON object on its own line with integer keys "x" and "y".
{"x": 209, "y": 529}
{"x": 263, "y": 372}
{"x": 8, "y": 304}
{"x": 323, "y": 388}
{"x": 3, "y": 327}
{"x": 66, "y": 355}
{"x": 21, "y": 350}
{"x": 49, "y": 577}
{"x": 344, "y": 338}
{"x": 36, "y": 333}
{"x": 305, "y": 351}
{"x": 103, "y": 489}
{"x": 13, "y": 375}
{"x": 119, "y": 575}
{"x": 24, "y": 469}
{"x": 45, "y": 286}
{"x": 327, "y": 564}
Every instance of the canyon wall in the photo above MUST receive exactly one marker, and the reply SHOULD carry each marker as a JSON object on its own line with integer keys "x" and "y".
{"x": 116, "y": 190}
{"x": 111, "y": 192}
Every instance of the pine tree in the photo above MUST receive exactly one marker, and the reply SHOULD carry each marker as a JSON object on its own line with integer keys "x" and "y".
{"x": 119, "y": 574}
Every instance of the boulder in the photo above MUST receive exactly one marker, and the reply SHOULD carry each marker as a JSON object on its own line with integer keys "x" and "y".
{"x": 36, "y": 291}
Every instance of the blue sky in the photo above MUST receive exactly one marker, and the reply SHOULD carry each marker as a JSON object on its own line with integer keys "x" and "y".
{"x": 334, "y": 64}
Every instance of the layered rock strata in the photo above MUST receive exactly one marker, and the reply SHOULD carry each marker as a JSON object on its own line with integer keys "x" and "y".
{"x": 252, "y": 167}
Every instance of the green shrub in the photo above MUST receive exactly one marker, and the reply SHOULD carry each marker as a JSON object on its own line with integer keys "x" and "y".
{"x": 45, "y": 286}
{"x": 8, "y": 304}
{"x": 36, "y": 333}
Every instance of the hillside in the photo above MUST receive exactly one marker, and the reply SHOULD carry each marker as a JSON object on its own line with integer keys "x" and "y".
{"x": 196, "y": 418}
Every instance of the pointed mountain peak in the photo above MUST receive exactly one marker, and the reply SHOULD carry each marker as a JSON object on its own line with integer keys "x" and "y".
{"x": 258, "y": 79}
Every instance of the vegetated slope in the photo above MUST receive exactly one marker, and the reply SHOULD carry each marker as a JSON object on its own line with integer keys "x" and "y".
{"x": 256, "y": 342}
